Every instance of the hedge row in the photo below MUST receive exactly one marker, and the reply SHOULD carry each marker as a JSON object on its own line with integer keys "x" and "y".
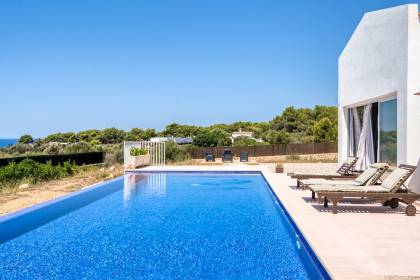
{"x": 78, "y": 158}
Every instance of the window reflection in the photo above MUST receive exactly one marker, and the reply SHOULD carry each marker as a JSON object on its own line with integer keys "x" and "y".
{"x": 388, "y": 131}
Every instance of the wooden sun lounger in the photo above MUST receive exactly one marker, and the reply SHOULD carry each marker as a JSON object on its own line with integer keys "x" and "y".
{"x": 387, "y": 199}
{"x": 370, "y": 176}
{"x": 389, "y": 193}
{"x": 344, "y": 172}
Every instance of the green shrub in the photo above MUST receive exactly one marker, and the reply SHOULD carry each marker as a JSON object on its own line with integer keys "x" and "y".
{"x": 31, "y": 171}
{"x": 135, "y": 151}
{"x": 26, "y": 139}
{"x": 244, "y": 141}
{"x": 78, "y": 147}
{"x": 325, "y": 130}
{"x": 52, "y": 148}
{"x": 174, "y": 153}
{"x": 211, "y": 138}
{"x": 277, "y": 137}
{"x": 114, "y": 153}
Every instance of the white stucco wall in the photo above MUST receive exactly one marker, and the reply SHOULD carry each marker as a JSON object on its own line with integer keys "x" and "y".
{"x": 413, "y": 101}
{"x": 382, "y": 59}
{"x": 374, "y": 65}
{"x": 374, "y": 61}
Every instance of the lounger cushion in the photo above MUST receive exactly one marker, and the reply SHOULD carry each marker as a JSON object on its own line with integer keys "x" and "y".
{"x": 336, "y": 188}
{"x": 382, "y": 167}
{"x": 363, "y": 178}
{"x": 375, "y": 189}
{"x": 394, "y": 180}
{"x": 317, "y": 174}
{"x": 329, "y": 182}
{"x": 349, "y": 188}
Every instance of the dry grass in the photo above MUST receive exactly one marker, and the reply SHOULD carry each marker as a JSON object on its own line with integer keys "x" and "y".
{"x": 324, "y": 158}
{"x": 14, "y": 199}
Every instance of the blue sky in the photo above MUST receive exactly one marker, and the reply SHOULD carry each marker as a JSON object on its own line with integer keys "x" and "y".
{"x": 74, "y": 65}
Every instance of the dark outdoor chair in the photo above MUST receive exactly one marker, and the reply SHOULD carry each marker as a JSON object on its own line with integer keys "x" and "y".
{"x": 210, "y": 157}
{"x": 244, "y": 156}
{"x": 227, "y": 156}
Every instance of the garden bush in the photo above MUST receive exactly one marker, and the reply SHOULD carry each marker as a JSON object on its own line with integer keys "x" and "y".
{"x": 78, "y": 147}
{"x": 31, "y": 171}
{"x": 114, "y": 154}
{"x": 135, "y": 151}
{"x": 175, "y": 153}
{"x": 244, "y": 141}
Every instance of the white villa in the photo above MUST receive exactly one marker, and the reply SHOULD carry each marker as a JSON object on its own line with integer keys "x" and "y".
{"x": 379, "y": 83}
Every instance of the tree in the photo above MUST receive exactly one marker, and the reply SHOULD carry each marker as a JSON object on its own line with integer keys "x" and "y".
{"x": 325, "y": 130}
{"x": 245, "y": 126}
{"x": 66, "y": 137}
{"x": 223, "y": 138}
{"x": 135, "y": 134}
{"x": 212, "y": 138}
{"x": 112, "y": 135}
{"x": 25, "y": 139}
{"x": 149, "y": 133}
{"x": 87, "y": 136}
{"x": 330, "y": 112}
{"x": 174, "y": 153}
{"x": 180, "y": 130}
{"x": 293, "y": 120}
{"x": 244, "y": 141}
{"x": 205, "y": 138}
{"x": 277, "y": 137}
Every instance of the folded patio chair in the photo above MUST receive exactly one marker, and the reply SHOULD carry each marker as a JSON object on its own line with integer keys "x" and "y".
{"x": 227, "y": 155}
{"x": 344, "y": 172}
{"x": 369, "y": 177}
{"x": 210, "y": 157}
{"x": 389, "y": 193}
{"x": 244, "y": 156}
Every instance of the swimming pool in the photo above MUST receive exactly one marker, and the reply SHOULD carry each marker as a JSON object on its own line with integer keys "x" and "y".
{"x": 159, "y": 226}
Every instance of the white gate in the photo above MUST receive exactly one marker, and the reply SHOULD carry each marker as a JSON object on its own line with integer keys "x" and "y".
{"x": 156, "y": 151}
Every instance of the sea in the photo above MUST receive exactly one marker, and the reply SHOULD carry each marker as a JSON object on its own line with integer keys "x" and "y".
{"x": 7, "y": 142}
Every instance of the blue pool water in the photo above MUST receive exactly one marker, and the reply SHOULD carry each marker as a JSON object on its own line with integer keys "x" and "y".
{"x": 159, "y": 226}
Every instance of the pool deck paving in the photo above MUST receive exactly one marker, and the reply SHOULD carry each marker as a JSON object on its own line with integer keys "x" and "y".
{"x": 363, "y": 241}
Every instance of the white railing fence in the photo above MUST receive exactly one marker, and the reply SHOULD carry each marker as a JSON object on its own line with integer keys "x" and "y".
{"x": 156, "y": 151}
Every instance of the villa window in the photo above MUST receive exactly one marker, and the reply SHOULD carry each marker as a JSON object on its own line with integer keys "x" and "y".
{"x": 378, "y": 142}
{"x": 388, "y": 131}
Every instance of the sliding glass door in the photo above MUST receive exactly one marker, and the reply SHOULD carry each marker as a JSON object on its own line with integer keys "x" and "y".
{"x": 388, "y": 131}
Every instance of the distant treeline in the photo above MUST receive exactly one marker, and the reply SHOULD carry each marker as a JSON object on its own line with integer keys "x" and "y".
{"x": 294, "y": 125}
